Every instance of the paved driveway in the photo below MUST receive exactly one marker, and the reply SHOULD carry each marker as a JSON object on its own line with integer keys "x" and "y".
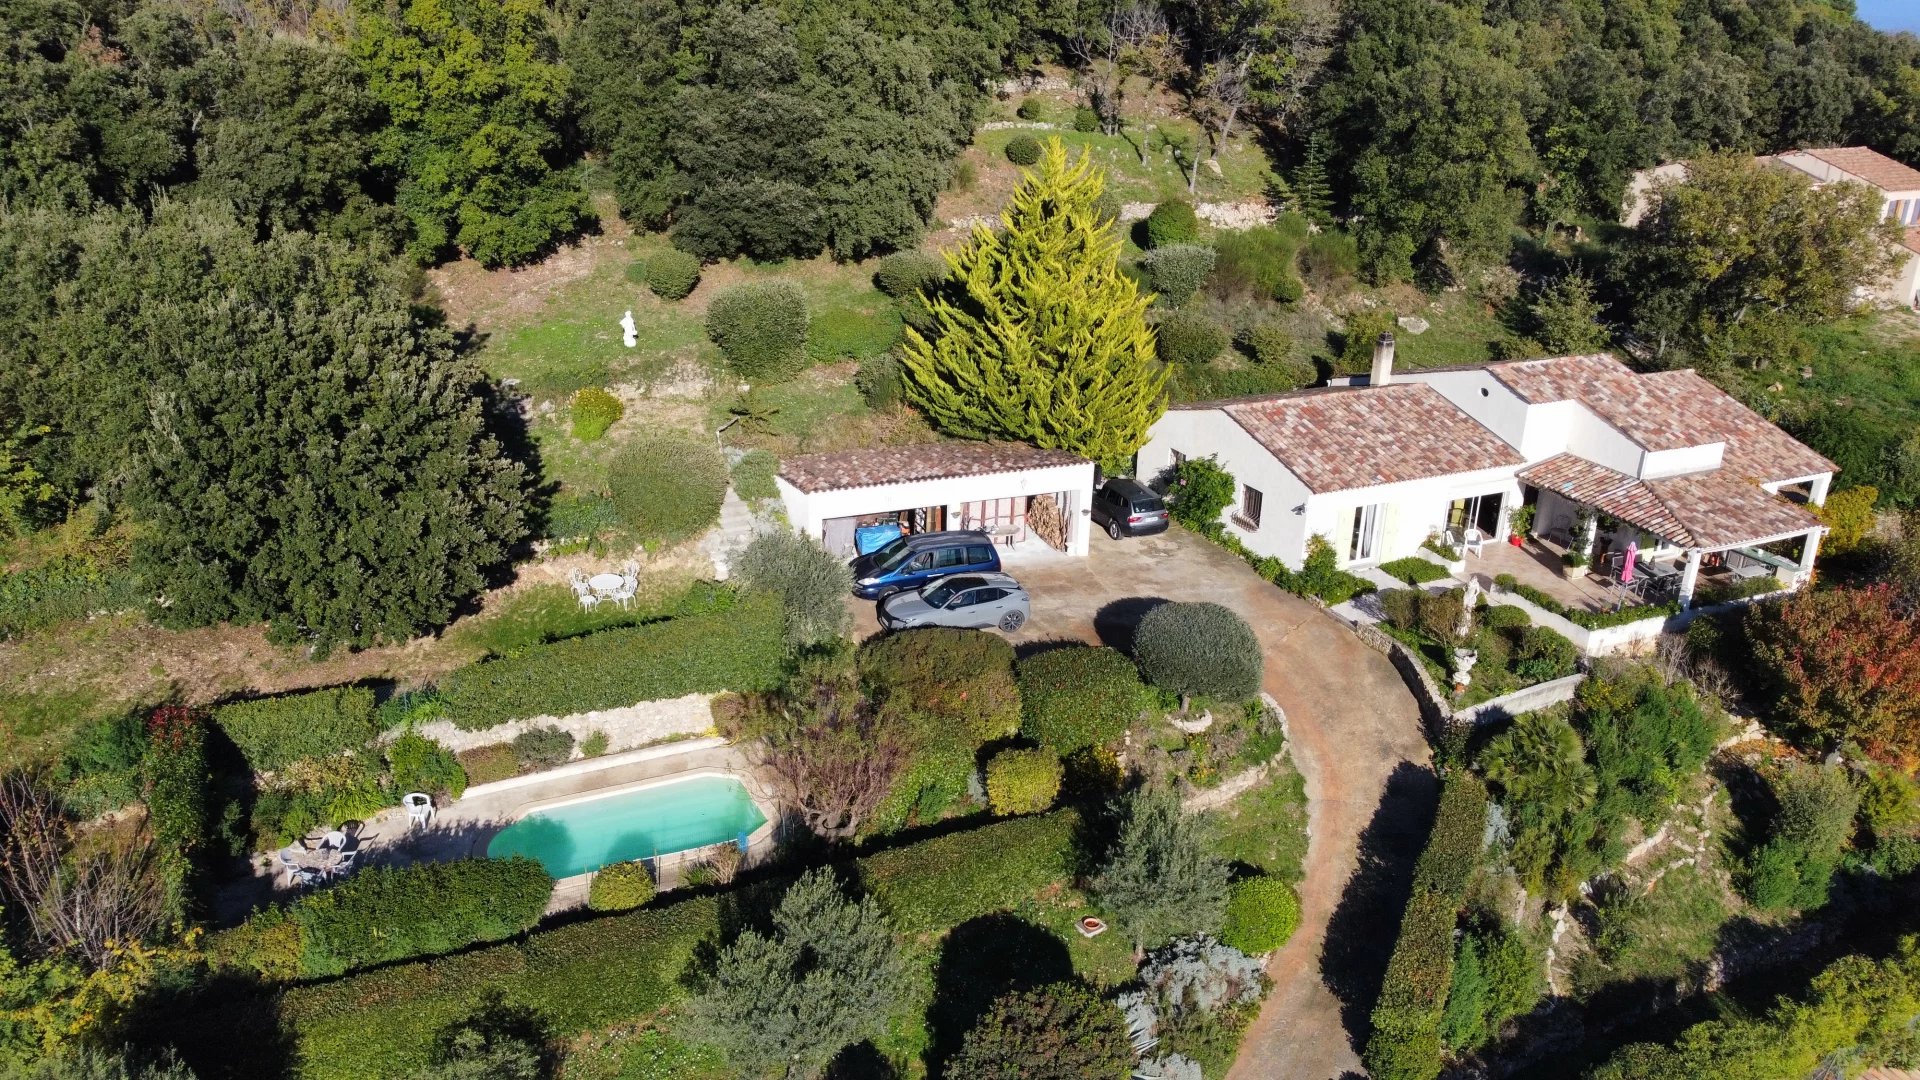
{"x": 1353, "y": 726}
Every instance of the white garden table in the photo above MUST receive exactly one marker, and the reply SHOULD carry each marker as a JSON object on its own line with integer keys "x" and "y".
{"x": 605, "y": 585}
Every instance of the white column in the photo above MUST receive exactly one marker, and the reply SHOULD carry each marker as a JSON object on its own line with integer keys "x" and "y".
{"x": 1809, "y": 550}
{"x": 1817, "y": 490}
{"x": 1689, "y": 578}
{"x": 1584, "y": 542}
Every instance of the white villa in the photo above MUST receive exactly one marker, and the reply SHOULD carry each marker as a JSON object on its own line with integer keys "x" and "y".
{"x": 1699, "y": 485}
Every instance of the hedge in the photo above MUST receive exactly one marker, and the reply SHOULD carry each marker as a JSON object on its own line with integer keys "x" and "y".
{"x": 1077, "y": 696}
{"x": 1406, "y": 1042}
{"x": 743, "y": 649}
{"x": 276, "y": 732}
{"x": 940, "y": 883}
{"x": 592, "y": 974}
{"x": 386, "y": 913}
{"x": 1414, "y": 570}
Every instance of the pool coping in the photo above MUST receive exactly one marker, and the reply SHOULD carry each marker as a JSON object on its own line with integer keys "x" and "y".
{"x": 595, "y": 764}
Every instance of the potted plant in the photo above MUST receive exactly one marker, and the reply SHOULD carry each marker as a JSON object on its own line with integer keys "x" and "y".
{"x": 1572, "y": 565}
{"x": 1520, "y": 522}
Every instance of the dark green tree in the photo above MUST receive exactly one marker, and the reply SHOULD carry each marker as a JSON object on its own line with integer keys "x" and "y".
{"x": 1064, "y": 1031}
{"x": 629, "y": 60}
{"x": 1162, "y": 880}
{"x": 475, "y": 97}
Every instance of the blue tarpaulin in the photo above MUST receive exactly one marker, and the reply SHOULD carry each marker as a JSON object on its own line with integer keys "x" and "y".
{"x": 868, "y": 538}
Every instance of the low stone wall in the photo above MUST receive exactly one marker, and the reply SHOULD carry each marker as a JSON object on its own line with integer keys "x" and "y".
{"x": 1436, "y": 702}
{"x": 636, "y": 725}
{"x": 1524, "y": 700}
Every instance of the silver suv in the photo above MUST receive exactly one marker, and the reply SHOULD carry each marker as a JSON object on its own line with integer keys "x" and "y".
{"x": 974, "y": 601}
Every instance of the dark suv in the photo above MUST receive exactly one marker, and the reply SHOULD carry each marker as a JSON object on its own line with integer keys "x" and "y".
{"x": 909, "y": 562}
{"x": 1129, "y": 508}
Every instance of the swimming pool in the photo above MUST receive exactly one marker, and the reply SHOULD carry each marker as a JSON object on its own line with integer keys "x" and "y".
{"x": 578, "y": 837}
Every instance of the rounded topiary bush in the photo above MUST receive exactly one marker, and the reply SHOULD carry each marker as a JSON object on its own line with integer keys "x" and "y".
{"x": 673, "y": 273}
{"x": 594, "y": 411}
{"x": 1262, "y": 913}
{"x": 667, "y": 485}
{"x": 1199, "y": 650}
{"x": 1269, "y": 343}
{"x": 1085, "y": 119}
{"x": 1031, "y": 109}
{"x": 1061, "y": 1031}
{"x": 959, "y": 682}
{"x": 903, "y": 275}
{"x": 1188, "y": 337}
{"x": 762, "y": 328}
{"x": 620, "y": 887}
{"x": 1177, "y": 271}
{"x": 543, "y": 747}
{"x": 1077, "y": 697}
{"x": 1023, "y": 150}
{"x": 1172, "y": 222}
{"x": 1023, "y": 781}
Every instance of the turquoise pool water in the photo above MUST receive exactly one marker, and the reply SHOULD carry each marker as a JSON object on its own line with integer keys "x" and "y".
{"x": 584, "y": 836}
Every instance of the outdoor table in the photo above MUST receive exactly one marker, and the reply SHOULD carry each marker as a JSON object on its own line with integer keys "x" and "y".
{"x": 1749, "y": 570}
{"x": 605, "y": 584}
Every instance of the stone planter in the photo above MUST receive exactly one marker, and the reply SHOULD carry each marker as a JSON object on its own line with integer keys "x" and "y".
{"x": 1572, "y": 572}
{"x": 1193, "y": 726}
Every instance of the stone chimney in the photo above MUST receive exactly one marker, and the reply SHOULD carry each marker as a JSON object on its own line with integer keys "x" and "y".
{"x": 1382, "y": 361}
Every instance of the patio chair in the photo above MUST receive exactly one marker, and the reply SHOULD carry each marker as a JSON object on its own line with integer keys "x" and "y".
{"x": 334, "y": 839}
{"x": 345, "y": 864}
{"x": 419, "y": 808}
{"x": 289, "y": 862}
{"x": 1473, "y": 542}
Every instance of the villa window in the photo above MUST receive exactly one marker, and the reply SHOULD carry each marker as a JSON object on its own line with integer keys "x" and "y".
{"x": 1250, "y": 500}
{"x": 1366, "y": 524}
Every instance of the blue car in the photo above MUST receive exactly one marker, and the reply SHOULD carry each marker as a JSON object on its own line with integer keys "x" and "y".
{"x": 909, "y": 562}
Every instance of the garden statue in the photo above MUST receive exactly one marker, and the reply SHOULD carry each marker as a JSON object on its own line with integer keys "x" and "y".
{"x": 1469, "y": 599}
{"x": 629, "y": 333}
{"x": 1463, "y": 661}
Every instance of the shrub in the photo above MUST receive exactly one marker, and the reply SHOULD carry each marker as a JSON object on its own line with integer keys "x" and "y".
{"x": 1200, "y": 493}
{"x": 1256, "y": 264}
{"x": 1023, "y": 781}
{"x": 1085, "y": 120}
{"x": 1106, "y": 210}
{"x": 277, "y": 731}
{"x": 489, "y": 764}
{"x": 594, "y": 745}
{"x": 962, "y": 680}
{"x": 1188, "y": 337}
{"x": 1543, "y": 655}
{"x": 1161, "y": 879}
{"x": 1262, "y": 913}
{"x": 1504, "y": 617}
{"x": 99, "y": 769}
{"x": 1172, "y": 222}
{"x": 1177, "y": 271}
{"x": 1031, "y": 109}
{"x": 418, "y": 763}
{"x": 1401, "y": 607}
{"x": 1815, "y": 820}
{"x": 1414, "y": 570}
{"x": 594, "y": 411}
{"x": 938, "y": 884}
{"x": 620, "y": 887}
{"x": 673, "y": 274}
{"x": 753, "y": 476}
{"x": 1496, "y": 977}
{"x": 543, "y": 747}
{"x": 1077, "y": 696}
{"x": 1063, "y": 1031}
{"x": 878, "y": 380}
{"x": 386, "y": 913}
{"x": 739, "y": 648}
{"x": 176, "y": 778}
{"x": 1199, "y": 650}
{"x": 668, "y": 485}
{"x": 1844, "y": 664}
{"x": 762, "y": 329}
{"x": 850, "y": 333}
{"x": 1330, "y": 259}
{"x": 63, "y": 590}
{"x": 904, "y": 275}
{"x": 1023, "y": 150}
{"x": 1270, "y": 344}
{"x": 810, "y": 582}
{"x": 1406, "y": 1042}
{"x": 1359, "y": 338}
{"x": 498, "y": 1042}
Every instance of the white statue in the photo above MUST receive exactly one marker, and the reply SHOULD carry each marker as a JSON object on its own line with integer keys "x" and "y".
{"x": 629, "y": 333}
{"x": 1469, "y": 600}
{"x": 1463, "y": 661}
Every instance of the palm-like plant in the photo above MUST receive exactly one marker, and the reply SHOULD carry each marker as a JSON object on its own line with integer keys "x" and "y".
{"x": 1541, "y": 765}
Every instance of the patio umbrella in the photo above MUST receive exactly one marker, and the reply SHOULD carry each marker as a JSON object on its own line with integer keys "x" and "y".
{"x": 1626, "y": 565}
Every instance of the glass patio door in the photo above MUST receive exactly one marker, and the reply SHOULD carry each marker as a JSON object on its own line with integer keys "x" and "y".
{"x": 1366, "y": 529}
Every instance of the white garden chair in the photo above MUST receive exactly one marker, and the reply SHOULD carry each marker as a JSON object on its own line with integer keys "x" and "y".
{"x": 419, "y": 808}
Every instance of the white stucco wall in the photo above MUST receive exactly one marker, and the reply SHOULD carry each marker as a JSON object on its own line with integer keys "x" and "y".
{"x": 1409, "y": 512}
{"x": 1199, "y": 433}
{"x": 1686, "y": 459}
{"x": 1493, "y": 405}
{"x": 809, "y": 511}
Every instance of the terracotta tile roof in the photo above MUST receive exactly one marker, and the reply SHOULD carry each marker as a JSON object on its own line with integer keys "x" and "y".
{"x": 1665, "y": 411}
{"x": 1875, "y": 168}
{"x": 1911, "y": 239}
{"x": 1707, "y": 509}
{"x": 1341, "y": 438}
{"x": 870, "y": 466}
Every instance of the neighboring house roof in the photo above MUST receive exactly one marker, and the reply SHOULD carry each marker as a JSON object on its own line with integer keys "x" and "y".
{"x": 1340, "y": 438}
{"x": 1911, "y": 239}
{"x": 1705, "y": 509}
{"x": 872, "y": 466}
{"x": 1665, "y": 411}
{"x": 1875, "y": 168}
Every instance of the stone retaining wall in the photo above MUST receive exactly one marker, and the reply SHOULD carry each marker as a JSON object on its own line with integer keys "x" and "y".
{"x": 1436, "y": 706}
{"x": 627, "y": 728}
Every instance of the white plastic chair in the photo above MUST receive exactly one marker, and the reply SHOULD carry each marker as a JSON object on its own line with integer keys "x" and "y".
{"x": 1473, "y": 542}
{"x": 289, "y": 862}
{"x": 419, "y": 808}
{"x": 344, "y": 865}
{"x": 335, "y": 840}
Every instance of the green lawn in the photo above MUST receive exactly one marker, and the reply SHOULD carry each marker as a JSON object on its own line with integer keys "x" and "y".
{"x": 1266, "y": 827}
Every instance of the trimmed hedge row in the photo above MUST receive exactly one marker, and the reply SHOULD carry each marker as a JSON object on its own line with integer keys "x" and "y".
{"x": 387, "y": 913}
{"x": 275, "y": 732}
{"x": 940, "y": 883}
{"x": 1592, "y": 620}
{"x": 1406, "y": 1042}
{"x": 743, "y": 649}
{"x": 381, "y": 1024}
